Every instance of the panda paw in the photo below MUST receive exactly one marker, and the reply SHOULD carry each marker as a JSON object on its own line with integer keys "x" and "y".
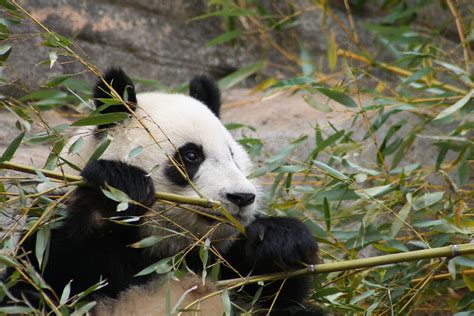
{"x": 129, "y": 179}
{"x": 280, "y": 244}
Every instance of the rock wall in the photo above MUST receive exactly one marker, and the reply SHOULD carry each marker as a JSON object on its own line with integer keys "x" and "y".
{"x": 156, "y": 39}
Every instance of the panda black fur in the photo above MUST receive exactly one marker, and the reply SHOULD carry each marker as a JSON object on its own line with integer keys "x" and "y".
{"x": 88, "y": 246}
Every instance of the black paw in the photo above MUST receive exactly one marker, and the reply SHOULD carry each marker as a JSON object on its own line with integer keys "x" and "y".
{"x": 280, "y": 243}
{"x": 129, "y": 179}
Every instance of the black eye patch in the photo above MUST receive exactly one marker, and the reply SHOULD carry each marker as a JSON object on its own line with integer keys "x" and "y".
{"x": 190, "y": 156}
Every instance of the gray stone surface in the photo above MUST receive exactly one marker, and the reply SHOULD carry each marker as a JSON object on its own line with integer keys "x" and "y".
{"x": 157, "y": 40}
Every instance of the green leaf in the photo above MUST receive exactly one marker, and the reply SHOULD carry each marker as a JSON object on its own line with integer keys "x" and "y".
{"x": 312, "y": 102}
{"x": 7, "y": 261}
{"x": 330, "y": 171}
{"x": 56, "y": 81}
{"x": 84, "y": 309}
{"x": 53, "y": 57}
{"x": 363, "y": 296}
{"x": 146, "y": 242}
{"x": 100, "y": 150}
{"x": 4, "y": 32}
{"x": 225, "y": 37}
{"x": 338, "y": 96}
{"x": 417, "y": 75}
{"x": 5, "y": 51}
{"x": 239, "y": 75}
{"x": 455, "y": 107}
{"x": 327, "y": 214}
{"x": 426, "y": 200}
{"x": 16, "y": 310}
{"x": 65, "y": 294}
{"x": 76, "y": 146}
{"x": 42, "y": 241}
{"x": 122, "y": 206}
{"x": 375, "y": 192}
{"x": 12, "y": 147}
{"x": 101, "y": 119}
{"x": 162, "y": 266}
{"x": 398, "y": 221}
{"x": 115, "y": 194}
{"x": 226, "y": 302}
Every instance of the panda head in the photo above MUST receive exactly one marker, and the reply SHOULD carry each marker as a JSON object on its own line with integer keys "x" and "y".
{"x": 187, "y": 130}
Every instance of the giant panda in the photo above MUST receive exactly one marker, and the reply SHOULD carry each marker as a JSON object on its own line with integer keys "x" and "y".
{"x": 186, "y": 149}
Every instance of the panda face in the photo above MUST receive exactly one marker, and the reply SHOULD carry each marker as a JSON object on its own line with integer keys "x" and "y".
{"x": 186, "y": 130}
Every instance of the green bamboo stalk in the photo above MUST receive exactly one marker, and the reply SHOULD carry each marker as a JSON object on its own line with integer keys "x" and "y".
{"x": 441, "y": 252}
{"x": 207, "y": 203}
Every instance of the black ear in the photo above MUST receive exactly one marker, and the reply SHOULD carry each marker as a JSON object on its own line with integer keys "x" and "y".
{"x": 122, "y": 84}
{"x": 206, "y": 90}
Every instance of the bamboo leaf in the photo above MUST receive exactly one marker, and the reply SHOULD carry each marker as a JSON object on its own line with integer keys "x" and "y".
{"x": 162, "y": 266}
{"x": 239, "y": 75}
{"x": 5, "y": 51}
{"x": 398, "y": 221}
{"x": 147, "y": 242}
{"x": 333, "y": 173}
{"x": 312, "y": 102}
{"x": 327, "y": 214}
{"x": 101, "y": 119}
{"x": 65, "y": 294}
{"x": 455, "y": 107}
{"x": 100, "y": 149}
{"x": 11, "y": 149}
{"x": 226, "y": 302}
{"x": 56, "y": 81}
{"x": 84, "y": 309}
{"x": 115, "y": 194}
{"x": 338, "y": 96}
{"x": 426, "y": 200}
{"x": 225, "y": 37}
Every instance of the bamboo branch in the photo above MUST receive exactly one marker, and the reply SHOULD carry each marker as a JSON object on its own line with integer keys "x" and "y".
{"x": 399, "y": 71}
{"x": 207, "y": 203}
{"x": 441, "y": 252}
{"x": 465, "y": 44}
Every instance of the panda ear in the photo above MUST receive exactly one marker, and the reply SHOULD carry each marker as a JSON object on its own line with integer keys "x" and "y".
{"x": 204, "y": 89}
{"x": 122, "y": 84}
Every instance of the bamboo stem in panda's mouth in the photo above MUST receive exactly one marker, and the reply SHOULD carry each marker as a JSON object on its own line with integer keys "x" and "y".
{"x": 203, "y": 202}
{"x": 176, "y": 198}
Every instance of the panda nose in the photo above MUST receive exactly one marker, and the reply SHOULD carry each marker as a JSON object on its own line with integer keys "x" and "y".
{"x": 241, "y": 199}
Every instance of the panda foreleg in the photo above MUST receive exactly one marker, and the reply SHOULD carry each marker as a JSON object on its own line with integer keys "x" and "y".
{"x": 90, "y": 210}
{"x": 88, "y": 247}
{"x": 275, "y": 244}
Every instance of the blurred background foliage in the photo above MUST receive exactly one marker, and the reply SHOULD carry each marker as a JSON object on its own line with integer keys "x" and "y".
{"x": 366, "y": 188}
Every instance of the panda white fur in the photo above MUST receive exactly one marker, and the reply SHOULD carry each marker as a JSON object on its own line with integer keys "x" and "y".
{"x": 88, "y": 246}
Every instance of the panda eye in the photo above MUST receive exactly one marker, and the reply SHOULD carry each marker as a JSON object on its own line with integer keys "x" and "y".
{"x": 192, "y": 156}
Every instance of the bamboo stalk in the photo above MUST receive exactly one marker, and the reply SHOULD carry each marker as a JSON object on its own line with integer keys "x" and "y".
{"x": 441, "y": 252}
{"x": 73, "y": 178}
{"x": 399, "y": 71}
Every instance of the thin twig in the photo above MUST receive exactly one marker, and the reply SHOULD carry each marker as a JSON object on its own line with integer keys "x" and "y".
{"x": 465, "y": 44}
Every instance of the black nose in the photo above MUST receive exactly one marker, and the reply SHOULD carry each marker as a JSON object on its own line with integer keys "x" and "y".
{"x": 241, "y": 199}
